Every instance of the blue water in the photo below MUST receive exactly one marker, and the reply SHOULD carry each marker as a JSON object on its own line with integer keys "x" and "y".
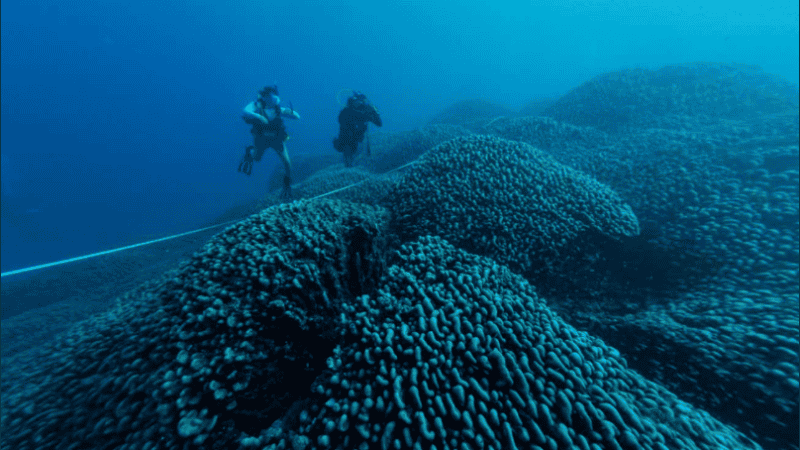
{"x": 120, "y": 120}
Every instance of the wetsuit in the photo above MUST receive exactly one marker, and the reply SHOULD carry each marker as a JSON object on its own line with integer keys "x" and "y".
{"x": 353, "y": 126}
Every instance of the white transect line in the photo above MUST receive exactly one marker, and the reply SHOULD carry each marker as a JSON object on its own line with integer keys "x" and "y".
{"x": 106, "y": 252}
{"x": 174, "y": 236}
{"x": 359, "y": 182}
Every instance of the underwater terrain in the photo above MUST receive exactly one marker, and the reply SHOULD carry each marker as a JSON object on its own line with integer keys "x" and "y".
{"x": 613, "y": 269}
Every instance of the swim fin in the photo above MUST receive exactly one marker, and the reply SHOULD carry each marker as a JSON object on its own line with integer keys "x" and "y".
{"x": 246, "y": 164}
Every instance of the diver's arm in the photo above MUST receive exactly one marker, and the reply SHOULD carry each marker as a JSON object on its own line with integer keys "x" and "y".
{"x": 249, "y": 114}
{"x": 374, "y": 117}
{"x": 290, "y": 113}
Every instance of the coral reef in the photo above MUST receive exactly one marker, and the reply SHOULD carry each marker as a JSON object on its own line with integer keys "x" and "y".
{"x": 208, "y": 350}
{"x": 290, "y": 318}
{"x": 719, "y": 348}
{"x": 511, "y": 202}
{"x": 370, "y": 190}
{"x": 304, "y": 165}
{"x": 725, "y": 204}
{"x": 545, "y": 133}
{"x": 717, "y": 201}
{"x": 456, "y": 352}
{"x": 392, "y": 150}
{"x": 674, "y": 96}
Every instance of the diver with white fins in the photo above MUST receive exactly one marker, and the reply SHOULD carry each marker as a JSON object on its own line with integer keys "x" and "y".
{"x": 266, "y": 114}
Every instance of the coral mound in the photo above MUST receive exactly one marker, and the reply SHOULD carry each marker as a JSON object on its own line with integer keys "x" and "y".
{"x": 456, "y": 352}
{"x": 225, "y": 346}
{"x": 675, "y": 97}
{"x": 352, "y": 184}
{"x": 508, "y": 201}
{"x": 392, "y": 150}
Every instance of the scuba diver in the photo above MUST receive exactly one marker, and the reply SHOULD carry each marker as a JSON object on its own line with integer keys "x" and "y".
{"x": 353, "y": 125}
{"x": 266, "y": 115}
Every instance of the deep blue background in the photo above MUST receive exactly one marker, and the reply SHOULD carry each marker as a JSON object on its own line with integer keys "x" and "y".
{"x": 121, "y": 120}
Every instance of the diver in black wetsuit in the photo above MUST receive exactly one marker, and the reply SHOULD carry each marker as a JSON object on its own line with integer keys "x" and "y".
{"x": 353, "y": 125}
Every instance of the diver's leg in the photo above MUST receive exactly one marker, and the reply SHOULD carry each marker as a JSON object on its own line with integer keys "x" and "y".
{"x": 258, "y": 149}
{"x": 287, "y": 163}
{"x": 283, "y": 154}
{"x": 350, "y": 154}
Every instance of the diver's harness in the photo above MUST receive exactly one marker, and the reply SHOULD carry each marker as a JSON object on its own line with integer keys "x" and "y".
{"x": 276, "y": 127}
